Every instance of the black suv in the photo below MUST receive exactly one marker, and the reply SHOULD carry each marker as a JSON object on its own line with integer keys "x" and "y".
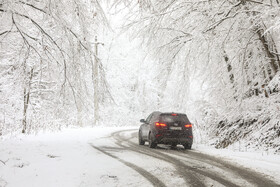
{"x": 166, "y": 128}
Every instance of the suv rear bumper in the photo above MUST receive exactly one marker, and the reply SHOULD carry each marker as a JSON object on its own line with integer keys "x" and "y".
{"x": 175, "y": 140}
{"x": 169, "y": 138}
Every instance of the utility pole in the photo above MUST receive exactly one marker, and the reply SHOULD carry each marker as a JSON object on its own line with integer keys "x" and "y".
{"x": 96, "y": 80}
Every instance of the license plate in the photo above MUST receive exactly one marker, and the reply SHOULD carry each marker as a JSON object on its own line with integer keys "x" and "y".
{"x": 175, "y": 128}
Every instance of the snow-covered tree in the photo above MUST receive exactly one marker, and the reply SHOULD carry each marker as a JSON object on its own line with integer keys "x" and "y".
{"x": 47, "y": 61}
{"x": 219, "y": 56}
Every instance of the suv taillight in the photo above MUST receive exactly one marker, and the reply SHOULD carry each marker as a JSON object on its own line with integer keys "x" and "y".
{"x": 188, "y": 125}
{"x": 160, "y": 124}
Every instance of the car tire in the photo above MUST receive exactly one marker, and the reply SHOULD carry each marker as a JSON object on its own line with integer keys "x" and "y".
{"x": 140, "y": 139}
{"x": 187, "y": 146}
{"x": 152, "y": 144}
{"x": 173, "y": 145}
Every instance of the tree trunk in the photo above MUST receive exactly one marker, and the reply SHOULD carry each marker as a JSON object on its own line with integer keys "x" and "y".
{"x": 229, "y": 68}
{"x": 273, "y": 58}
{"x": 231, "y": 75}
{"x": 96, "y": 83}
{"x": 26, "y": 98}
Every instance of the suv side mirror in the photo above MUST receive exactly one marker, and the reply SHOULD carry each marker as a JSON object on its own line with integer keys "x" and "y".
{"x": 142, "y": 121}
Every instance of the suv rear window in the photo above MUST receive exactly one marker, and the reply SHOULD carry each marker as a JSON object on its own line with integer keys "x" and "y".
{"x": 171, "y": 119}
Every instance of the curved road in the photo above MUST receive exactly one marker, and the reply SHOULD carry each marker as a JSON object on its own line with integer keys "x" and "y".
{"x": 196, "y": 169}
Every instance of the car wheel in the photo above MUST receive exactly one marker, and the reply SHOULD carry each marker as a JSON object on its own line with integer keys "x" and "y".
{"x": 152, "y": 144}
{"x": 140, "y": 139}
{"x": 173, "y": 145}
{"x": 187, "y": 146}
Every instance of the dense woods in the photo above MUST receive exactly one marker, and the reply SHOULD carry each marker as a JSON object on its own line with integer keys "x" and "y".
{"x": 47, "y": 61}
{"x": 218, "y": 61}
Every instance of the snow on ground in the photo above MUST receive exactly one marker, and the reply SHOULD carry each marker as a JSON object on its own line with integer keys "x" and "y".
{"x": 61, "y": 159}
{"x": 66, "y": 158}
{"x": 262, "y": 162}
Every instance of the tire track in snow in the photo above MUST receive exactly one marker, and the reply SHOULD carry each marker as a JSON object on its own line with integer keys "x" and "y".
{"x": 189, "y": 177}
{"x": 248, "y": 175}
{"x": 151, "y": 178}
{"x": 252, "y": 177}
{"x": 189, "y": 173}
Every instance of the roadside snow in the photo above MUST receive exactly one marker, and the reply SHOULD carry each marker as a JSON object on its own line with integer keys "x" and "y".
{"x": 61, "y": 159}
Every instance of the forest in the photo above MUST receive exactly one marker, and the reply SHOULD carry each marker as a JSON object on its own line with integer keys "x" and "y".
{"x": 77, "y": 63}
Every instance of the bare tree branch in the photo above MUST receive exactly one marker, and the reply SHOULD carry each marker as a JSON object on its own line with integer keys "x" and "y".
{"x": 4, "y": 162}
{"x": 225, "y": 17}
{"x": 172, "y": 29}
{"x": 259, "y": 2}
{"x": 41, "y": 10}
{"x": 4, "y": 32}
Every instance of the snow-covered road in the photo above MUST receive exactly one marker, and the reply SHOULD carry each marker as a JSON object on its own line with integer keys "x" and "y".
{"x": 112, "y": 157}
